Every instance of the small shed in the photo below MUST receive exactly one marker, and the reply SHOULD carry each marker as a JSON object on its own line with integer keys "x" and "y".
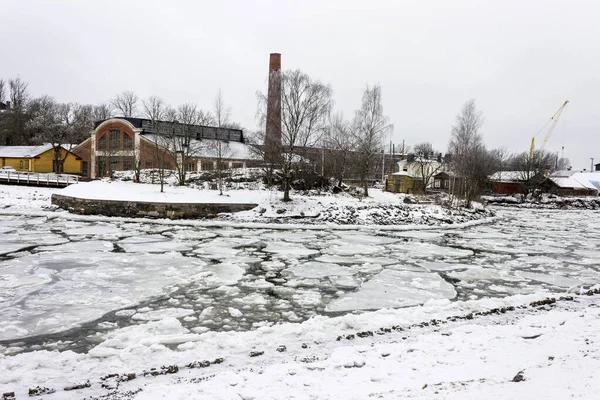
{"x": 443, "y": 181}
{"x": 403, "y": 182}
{"x": 508, "y": 182}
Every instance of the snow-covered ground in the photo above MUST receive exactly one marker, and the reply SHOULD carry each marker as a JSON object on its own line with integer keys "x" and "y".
{"x": 84, "y": 297}
{"x": 380, "y": 208}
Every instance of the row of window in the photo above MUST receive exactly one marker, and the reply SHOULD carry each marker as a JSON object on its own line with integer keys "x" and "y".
{"x": 26, "y": 164}
{"x": 115, "y": 141}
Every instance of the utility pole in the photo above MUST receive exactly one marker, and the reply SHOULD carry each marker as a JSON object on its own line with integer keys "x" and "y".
{"x": 592, "y": 164}
{"x": 382, "y": 165}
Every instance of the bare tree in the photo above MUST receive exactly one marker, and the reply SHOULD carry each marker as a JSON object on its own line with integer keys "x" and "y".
{"x": 126, "y": 104}
{"x": 305, "y": 108}
{"x": 2, "y": 90}
{"x": 531, "y": 170}
{"x": 219, "y": 148}
{"x": 470, "y": 159}
{"x": 17, "y": 114}
{"x": 60, "y": 125}
{"x": 185, "y": 144}
{"x": 156, "y": 111}
{"x": 368, "y": 130}
{"x": 427, "y": 161}
{"x": 340, "y": 143}
{"x": 102, "y": 112}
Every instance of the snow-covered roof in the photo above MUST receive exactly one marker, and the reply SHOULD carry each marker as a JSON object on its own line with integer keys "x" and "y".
{"x": 403, "y": 173}
{"x": 567, "y": 183}
{"x": 207, "y": 148}
{"x": 588, "y": 179}
{"x": 23, "y": 151}
{"x": 563, "y": 173}
{"x": 508, "y": 176}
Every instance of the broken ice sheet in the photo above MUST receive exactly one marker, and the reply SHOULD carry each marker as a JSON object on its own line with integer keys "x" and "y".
{"x": 392, "y": 288}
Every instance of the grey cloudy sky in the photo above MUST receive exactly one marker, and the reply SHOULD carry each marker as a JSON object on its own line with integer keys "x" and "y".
{"x": 520, "y": 60}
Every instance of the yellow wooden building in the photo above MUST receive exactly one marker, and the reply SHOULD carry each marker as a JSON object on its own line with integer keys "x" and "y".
{"x": 403, "y": 182}
{"x": 39, "y": 159}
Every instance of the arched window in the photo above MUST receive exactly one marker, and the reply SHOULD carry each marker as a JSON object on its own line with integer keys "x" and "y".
{"x": 115, "y": 139}
{"x": 127, "y": 142}
{"x": 102, "y": 143}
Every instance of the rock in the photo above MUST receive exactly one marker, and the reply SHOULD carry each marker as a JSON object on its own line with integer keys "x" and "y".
{"x": 518, "y": 377}
{"x": 80, "y": 386}
{"x": 38, "y": 391}
{"x": 8, "y": 396}
{"x": 256, "y": 353}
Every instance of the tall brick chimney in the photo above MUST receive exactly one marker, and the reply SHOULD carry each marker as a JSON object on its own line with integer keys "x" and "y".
{"x": 273, "y": 128}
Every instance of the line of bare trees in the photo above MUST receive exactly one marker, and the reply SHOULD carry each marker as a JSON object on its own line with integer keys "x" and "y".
{"x": 27, "y": 120}
{"x": 472, "y": 163}
{"x": 308, "y": 122}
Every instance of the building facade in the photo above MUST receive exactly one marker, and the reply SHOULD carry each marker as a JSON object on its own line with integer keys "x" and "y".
{"x": 42, "y": 159}
{"x": 122, "y": 144}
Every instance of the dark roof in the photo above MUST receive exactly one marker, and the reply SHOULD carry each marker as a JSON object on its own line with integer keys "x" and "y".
{"x": 200, "y": 131}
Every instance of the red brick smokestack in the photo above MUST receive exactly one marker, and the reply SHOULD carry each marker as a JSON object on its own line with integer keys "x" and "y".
{"x": 273, "y": 128}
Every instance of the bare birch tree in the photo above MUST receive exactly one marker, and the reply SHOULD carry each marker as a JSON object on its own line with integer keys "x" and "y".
{"x": 369, "y": 128}
{"x": 340, "y": 144}
{"x": 126, "y": 104}
{"x": 219, "y": 148}
{"x": 470, "y": 159}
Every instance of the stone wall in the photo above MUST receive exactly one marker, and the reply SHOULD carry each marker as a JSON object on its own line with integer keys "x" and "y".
{"x": 115, "y": 208}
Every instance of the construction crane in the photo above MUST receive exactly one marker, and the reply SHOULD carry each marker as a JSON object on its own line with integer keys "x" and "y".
{"x": 554, "y": 121}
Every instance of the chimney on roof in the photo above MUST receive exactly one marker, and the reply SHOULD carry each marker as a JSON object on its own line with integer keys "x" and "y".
{"x": 273, "y": 127}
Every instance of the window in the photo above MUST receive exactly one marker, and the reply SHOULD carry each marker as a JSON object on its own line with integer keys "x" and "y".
{"x": 127, "y": 142}
{"x": 102, "y": 143}
{"x": 84, "y": 168}
{"x": 437, "y": 183}
{"x": 21, "y": 164}
{"x": 207, "y": 166}
{"x": 190, "y": 167}
{"x": 127, "y": 164}
{"x": 115, "y": 139}
{"x": 114, "y": 164}
{"x": 27, "y": 164}
{"x": 237, "y": 165}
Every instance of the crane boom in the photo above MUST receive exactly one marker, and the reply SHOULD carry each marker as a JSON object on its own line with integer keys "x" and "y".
{"x": 554, "y": 120}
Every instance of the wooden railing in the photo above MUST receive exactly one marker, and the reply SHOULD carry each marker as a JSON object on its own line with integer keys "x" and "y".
{"x": 39, "y": 179}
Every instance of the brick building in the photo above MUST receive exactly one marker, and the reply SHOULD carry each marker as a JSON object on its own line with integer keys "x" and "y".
{"x": 120, "y": 144}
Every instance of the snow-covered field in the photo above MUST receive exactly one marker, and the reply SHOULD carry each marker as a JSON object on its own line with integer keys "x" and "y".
{"x": 85, "y": 297}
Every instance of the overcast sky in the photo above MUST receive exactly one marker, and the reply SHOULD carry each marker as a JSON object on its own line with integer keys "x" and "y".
{"x": 520, "y": 60}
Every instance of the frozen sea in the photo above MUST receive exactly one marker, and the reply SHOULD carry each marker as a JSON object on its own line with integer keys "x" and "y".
{"x": 67, "y": 283}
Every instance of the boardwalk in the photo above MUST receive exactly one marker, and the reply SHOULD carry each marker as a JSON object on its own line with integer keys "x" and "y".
{"x": 37, "y": 179}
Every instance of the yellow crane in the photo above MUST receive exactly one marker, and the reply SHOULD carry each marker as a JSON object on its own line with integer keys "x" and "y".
{"x": 554, "y": 121}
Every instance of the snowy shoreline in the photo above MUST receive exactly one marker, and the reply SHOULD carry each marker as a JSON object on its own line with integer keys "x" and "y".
{"x": 326, "y": 211}
{"x": 403, "y": 353}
